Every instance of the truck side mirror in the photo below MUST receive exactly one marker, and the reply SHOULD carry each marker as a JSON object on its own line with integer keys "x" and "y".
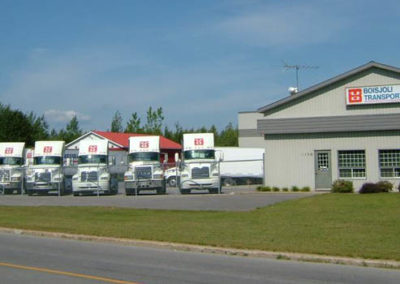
{"x": 176, "y": 157}
{"x": 165, "y": 158}
{"x": 221, "y": 156}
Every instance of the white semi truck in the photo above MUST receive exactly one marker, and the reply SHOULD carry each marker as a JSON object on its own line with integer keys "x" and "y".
{"x": 46, "y": 174}
{"x": 241, "y": 166}
{"x": 11, "y": 167}
{"x": 199, "y": 168}
{"x": 145, "y": 171}
{"x": 93, "y": 176}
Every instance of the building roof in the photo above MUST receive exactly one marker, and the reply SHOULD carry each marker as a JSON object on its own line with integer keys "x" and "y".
{"x": 305, "y": 92}
{"x": 121, "y": 140}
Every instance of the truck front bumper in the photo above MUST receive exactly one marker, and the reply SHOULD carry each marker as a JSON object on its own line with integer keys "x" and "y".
{"x": 82, "y": 187}
{"x": 144, "y": 184}
{"x": 206, "y": 183}
{"x": 10, "y": 185}
{"x": 44, "y": 186}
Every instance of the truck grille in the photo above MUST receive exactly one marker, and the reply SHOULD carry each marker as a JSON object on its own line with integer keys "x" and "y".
{"x": 143, "y": 172}
{"x": 89, "y": 176}
{"x": 203, "y": 172}
{"x": 43, "y": 177}
{"x": 4, "y": 175}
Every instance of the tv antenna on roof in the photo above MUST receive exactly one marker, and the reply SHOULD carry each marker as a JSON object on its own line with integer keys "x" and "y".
{"x": 297, "y": 68}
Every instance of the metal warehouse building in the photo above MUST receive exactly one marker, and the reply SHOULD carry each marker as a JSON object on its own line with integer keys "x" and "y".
{"x": 347, "y": 127}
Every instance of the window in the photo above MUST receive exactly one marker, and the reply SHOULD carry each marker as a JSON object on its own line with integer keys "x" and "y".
{"x": 389, "y": 163}
{"x": 351, "y": 164}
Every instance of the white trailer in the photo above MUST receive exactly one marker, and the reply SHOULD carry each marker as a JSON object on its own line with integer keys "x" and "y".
{"x": 241, "y": 166}
{"x": 11, "y": 167}
{"x": 93, "y": 176}
{"x": 145, "y": 171}
{"x": 46, "y": 173}
{"x": 199, "y": 168}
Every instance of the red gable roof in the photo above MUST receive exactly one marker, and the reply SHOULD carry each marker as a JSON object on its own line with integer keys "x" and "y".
{"x": 123, "y": 139}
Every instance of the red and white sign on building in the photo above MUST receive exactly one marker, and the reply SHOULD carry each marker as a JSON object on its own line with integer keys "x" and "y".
{"x": 92, "y": 149}
{"x": 198, "y": 141}
{"x": 355, "y": 95}
{"x": 47, "y": 149}
{"x": 9, "y": 151}
{"x": 144, "y": 144}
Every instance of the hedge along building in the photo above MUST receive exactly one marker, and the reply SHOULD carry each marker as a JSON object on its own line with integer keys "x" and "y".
{"x": 347, "y": 127}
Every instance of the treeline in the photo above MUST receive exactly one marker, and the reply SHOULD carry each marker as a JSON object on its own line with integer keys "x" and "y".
{"x": 154, "y": 125}
{"x": 17, "y": 126}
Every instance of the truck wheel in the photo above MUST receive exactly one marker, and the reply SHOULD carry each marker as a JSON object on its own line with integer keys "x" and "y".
{"x": 8, "y": 191}
{"x": 172, "y": 181}
{"x": 30, "y": 192}
{"x": 213, "y": 190}
{"x": 185, "y": 191}
{"x": 75, "y": 193}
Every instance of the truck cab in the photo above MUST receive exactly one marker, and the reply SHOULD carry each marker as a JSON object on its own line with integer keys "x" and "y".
{"x": 11, "y": 167}
{"x": 93, "y": 174}
{"x": 145, "y": 172}
{"x": 199, "y": 168}
{"x": 46, "y": 174}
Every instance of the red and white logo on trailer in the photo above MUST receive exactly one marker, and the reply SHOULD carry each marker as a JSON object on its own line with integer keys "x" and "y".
{"x": 9, "y": 151}
{"x": 355, "y": 95}
{"x": 198, "y": 141}
{"x": 144, "y": 144}
{"x": 92, "y": 148}
{"x": 47, "y": 149}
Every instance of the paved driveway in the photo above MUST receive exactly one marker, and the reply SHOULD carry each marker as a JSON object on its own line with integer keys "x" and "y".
{"x": 232, "y": 199}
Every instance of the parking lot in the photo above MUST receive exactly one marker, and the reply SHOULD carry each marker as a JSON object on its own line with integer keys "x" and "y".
{"x": 238, "y": 198}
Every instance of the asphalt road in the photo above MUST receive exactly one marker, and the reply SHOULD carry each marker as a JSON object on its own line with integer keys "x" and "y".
{"x": 233, "y": 199}
{"x": 112, "y": 262}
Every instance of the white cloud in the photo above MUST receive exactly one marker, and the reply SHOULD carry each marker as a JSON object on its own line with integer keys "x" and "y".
{"x": 56, "y": 116}
{"x": 283, "y": 26}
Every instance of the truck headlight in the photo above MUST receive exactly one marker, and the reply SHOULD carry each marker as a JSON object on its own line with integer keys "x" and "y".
{"x": 75, "y": 177}
{"x": 158, "y": 176}
{"x": 215, "y": 174}
{"x": 57, "y": 178}
{"x": 104, "y": 177}
{"x": 185, "y": 175}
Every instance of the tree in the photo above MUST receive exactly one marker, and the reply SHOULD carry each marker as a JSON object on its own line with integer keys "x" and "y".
{"x": 39, "y": 126}
{"x": 154, "y": 121}
{"x": 116, "y": 123}
{"x": 133, "y": 125}
{"x": 228, "y": 136}
{"x": 15, "y": 126}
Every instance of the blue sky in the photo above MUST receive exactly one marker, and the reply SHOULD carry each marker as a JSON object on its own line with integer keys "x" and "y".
{"x": 201, "y": 61}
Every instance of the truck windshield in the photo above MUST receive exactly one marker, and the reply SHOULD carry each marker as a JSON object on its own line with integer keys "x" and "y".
{"x": 199, "y": 154}
{"x": 10, "y": 161}
{"x": 47, "y": 160}
{"x": 92, "y": 159}
{"x": 144, "y": 156}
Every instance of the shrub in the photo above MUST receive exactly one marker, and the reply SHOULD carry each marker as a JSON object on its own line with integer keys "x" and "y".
{"x": 369, "y": 187}
{"x": 275, "y": 189}
{"x": 285, "y": 189}
{"x": 342, "y": 186}
{"x": 305, "y": 189}
{"x": 382, "y": 186}
{"x": 263, "y": 188}
{"x": 295, "y": 188}
{"x": 385, "y": 186}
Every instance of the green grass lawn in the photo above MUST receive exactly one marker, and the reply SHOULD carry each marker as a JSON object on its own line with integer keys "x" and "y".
{"x": 352, "y": 225}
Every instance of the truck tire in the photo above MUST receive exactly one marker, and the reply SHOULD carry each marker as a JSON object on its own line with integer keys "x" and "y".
{"x": 172, "y": 181}
{"x": 213, "y": 190}
{"x": 185, "y": 191}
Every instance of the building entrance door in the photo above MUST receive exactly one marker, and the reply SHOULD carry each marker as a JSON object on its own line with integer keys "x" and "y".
{"x": 323, "y": 171}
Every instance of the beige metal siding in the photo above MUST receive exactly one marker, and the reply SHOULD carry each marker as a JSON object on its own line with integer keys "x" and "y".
{"x": 331, "y": 101}
{"x": 290, "y": 162}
